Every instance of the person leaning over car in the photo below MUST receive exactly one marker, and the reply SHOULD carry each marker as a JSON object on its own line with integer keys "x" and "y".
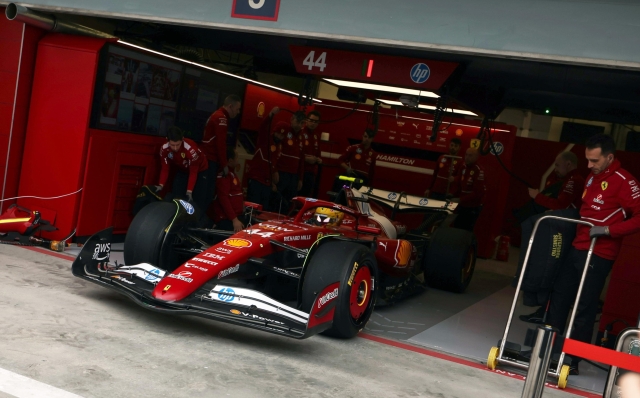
{"x": 566, "y": 167}
{"x": 471, "y": 187}
{"x": 262, "y": 165}
{"x": 610, "y": 201}
{"x": 228, "y": 205}
{"x": 214, "y": 141}
{"x": 191, "y": 176}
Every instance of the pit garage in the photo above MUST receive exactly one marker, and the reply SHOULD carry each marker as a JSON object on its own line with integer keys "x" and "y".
{"x": 90, "y": 92}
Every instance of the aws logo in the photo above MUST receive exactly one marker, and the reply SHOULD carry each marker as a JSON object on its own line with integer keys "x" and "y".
{"x": 266, "y": 10}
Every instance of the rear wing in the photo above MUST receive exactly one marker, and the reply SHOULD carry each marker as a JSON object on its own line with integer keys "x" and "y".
{"x": 403, "y": 203}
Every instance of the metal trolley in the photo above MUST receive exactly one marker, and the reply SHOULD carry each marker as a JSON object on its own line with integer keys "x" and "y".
{"x": 628, "y": 341}
{"x": 496, "y": 354}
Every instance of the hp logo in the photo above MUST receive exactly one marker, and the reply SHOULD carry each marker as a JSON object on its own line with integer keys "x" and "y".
{"x": 497, "y": 148}
{"x": 420, "y": 73}
{"x": 392, "y": 195}
{"x": 423, "y": 202}
{"x": 151, "y": 275}
{"x": 227, "y": 294}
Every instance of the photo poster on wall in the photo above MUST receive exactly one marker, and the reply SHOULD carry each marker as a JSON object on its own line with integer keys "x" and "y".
{"x": 139, "y": 93}
{"x": 203, "y": 92}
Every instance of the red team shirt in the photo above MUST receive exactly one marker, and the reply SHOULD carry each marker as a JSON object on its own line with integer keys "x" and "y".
{"x": 261, "y": 166}
{"x": 441, "y": 174}
{"x": 188, "y": 159}
{"x": 569, "y": 193}
{"x": 214, "y": 142}
{"x": 610, "y": 198}
{"x": 229, "y": 202}
{"x": 361, "y": 160}
{"x": 471, "y": 186}
{"x": 311, "y": 146}
{"x": 291, "y": 153}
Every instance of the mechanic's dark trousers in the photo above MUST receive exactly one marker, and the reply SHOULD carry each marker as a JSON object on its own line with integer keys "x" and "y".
{"x": 565, "y": 290}
{"x": 467, "y": 217}
{"x": 308, "y": 183}
{"x": 437, "y": 196}
{"x": 227, "y": 225}
{"x": 212, "y": 174}
{"x": 288, "y": 188}
{"x": 200, "y": 199}
{"x": 259, "y": 193}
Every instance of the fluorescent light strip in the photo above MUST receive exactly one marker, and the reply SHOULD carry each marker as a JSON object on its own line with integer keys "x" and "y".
{"x": 379, "y": 87}
{"x": 430, "y": 107}
{"x": 413, "y": 118}
{"x": 213, "y": 69}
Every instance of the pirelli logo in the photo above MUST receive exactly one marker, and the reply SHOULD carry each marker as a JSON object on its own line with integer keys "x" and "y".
{"x": 556, "y": 248}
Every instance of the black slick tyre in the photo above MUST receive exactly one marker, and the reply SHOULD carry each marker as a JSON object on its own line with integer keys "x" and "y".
{"x": 354, "y": 267}
{"x": 450, "y": 259}
{"x": 144, "y": 240}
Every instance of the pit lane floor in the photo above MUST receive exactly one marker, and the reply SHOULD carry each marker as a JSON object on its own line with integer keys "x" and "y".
{"x": 77, "y": 337}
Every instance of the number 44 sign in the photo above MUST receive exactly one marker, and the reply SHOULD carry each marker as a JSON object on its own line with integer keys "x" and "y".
{"x": 320, "y": 62}
{"x": 266, "y": 10}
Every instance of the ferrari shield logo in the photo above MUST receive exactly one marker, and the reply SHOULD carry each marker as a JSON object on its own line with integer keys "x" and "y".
{"x": 475, "y": 143}
{"x": 604, "y": 185}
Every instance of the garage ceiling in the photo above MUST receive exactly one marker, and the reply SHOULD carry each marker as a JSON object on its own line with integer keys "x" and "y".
{"x": 486, "y": 84}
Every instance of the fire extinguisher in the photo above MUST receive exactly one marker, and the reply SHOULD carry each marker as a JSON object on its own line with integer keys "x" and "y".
{"x": 503, "y": 248}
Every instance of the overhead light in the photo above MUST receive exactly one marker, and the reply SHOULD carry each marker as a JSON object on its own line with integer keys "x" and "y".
{"x": 409, "y": 117}
{"x": 214, "y": 69}
{"x": 380, "y": 87}
{"x": 430, "y": 107}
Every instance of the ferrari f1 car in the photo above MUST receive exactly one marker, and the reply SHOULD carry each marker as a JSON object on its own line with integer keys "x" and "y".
{"x": 19, "y": 226}
{"x": 321, "y": 268}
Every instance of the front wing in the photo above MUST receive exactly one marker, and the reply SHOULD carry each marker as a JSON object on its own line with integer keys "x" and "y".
{"x": 239, "y": 306}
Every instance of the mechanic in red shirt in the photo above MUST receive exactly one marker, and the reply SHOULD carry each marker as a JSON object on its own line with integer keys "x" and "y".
{"x": 262, "y": 165}
{"x": 290, "y": 166}
{"x": 191, "y": 175}
{"x": 445, "y": 172}
{"x": 360, "y": 160}
{"x": 566, "y": 167}
{"x": 471, "y": 187}
{"x": 214, "y": 141}
{"x": 228, "y": 205}
{"x": 610, "y": 201}
{"x": 311, "y": 148}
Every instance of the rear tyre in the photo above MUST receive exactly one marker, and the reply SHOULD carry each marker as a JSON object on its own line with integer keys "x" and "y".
{"x": 450, "y": 259}
{"x": 354, "y": 267}
{"x": 146, "y": 234}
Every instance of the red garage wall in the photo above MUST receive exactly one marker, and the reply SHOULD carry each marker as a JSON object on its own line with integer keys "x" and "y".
{"x": 18, "y": 45}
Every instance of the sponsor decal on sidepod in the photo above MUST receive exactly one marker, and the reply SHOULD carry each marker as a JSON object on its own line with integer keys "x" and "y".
{"x": 228, "y": 271}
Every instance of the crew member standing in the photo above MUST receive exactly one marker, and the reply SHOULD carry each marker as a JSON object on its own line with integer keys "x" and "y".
{"x": 311, "y": 148}
{"x": 566, "y": 167}
{"x": 444, "y": 174}
{"x": 471, "y": 187}
{"x": 360, "y": 160}
{"x": 261, "y": 166}
{"x": 228, "y": 205}
{"x": 610, "y": 201}
{"x": 214, "y": 142}
{"x": 290, "y": 167}
{"x": 191, "y": 176}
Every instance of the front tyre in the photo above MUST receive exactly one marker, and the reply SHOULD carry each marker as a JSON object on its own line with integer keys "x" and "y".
{"x": 354, "y": 267}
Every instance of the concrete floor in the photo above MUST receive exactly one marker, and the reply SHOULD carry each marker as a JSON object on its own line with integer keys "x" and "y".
{"x": 86, "y": 340}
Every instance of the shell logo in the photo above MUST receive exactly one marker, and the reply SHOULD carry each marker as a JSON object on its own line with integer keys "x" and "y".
{"x": 239, "y": 243}
{"x": 235, "y": 312}
{"x": 459, "y": 132}
{"x": 403, "y": 255}
{"x": 260, "y": 109}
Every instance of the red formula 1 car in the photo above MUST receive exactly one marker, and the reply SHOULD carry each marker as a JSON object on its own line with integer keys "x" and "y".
{"x": 322, "y": 268}
{"x": 19, "y": 226}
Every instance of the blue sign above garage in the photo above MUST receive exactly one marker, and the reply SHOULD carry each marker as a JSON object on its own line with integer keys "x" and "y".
{"x": 256, "y": 9}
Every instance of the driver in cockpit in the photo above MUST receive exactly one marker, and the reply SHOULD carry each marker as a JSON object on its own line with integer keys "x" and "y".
{"x": 325, "y": 216}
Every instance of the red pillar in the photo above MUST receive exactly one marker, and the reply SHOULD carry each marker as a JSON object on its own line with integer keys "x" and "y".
{"x": 18, "y": 46}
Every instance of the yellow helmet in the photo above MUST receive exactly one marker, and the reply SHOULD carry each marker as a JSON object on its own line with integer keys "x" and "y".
{"x": 327, "y": 216}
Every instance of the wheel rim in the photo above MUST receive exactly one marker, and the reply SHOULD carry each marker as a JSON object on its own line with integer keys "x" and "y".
{"x": 468, "y": 266}
{"x": 360, "y": 294}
